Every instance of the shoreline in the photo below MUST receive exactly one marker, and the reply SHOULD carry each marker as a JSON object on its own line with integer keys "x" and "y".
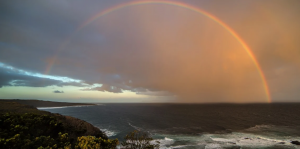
{"x": 41, "y": 108}
{"x": 72, "y": 124}
{"x": 44, "y": 104}
{"x": 34, "y": 125}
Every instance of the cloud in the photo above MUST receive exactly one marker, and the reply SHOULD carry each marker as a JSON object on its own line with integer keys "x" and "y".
{"x": 14, "y": 79}
{"x": 105, "y": 87}
{"x": 159, "y": 56}
{"x": 158, "y": 93}
{"x": 57, "y": 91}
{"x": 11, "y": 76}
{"x": 169, "y": 52}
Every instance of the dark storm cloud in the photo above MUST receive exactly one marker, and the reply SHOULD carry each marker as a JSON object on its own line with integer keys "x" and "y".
{"x": 170, "y": 51}
{"x": 57, "y": 91}
{"x": 36, "y": 29}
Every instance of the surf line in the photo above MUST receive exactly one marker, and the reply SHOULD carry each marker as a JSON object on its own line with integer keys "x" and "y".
{"x": 172, "y": 3}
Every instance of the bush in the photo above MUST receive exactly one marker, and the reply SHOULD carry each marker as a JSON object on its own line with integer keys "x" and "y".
{"x": 35, "y": 131}
{"x": 139, "y": 140}
{"x": 91, "y": 142}
{"x": 31, "y": 131}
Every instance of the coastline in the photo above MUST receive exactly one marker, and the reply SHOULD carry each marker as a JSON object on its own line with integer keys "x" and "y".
{"x": 25, "y": 126}
{"x": 40, "y": 103}
{"x": 41, "y": 108}
{"x": 250, "y": 137}
{"x": 74, "y": 126}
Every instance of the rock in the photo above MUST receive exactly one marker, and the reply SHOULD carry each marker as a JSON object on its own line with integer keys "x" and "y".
{"x": 295, "y": 142}
{"x": 281, "y": 143}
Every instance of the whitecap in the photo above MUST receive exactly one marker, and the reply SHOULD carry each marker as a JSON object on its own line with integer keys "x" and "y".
{"x": 229, "y": 140}
{"x": 213, "y": 146}
{"x": 109, "y": 133}
{"x": 224, "y": 140}
{"x": 163, "y": 142}
{"x": 249, "y": 140}
{"x": 180, "y": 146}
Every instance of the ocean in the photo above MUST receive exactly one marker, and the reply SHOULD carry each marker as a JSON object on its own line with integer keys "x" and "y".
{"x": 198, "y": 126}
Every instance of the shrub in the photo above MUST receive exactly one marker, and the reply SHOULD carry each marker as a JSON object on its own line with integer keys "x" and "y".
{"x": 91, "y": 142}
{"x": 139, "y": 140}
{"x": 35, "y": 131}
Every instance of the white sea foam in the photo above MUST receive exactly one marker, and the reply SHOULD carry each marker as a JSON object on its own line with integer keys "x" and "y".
{"x": 229, "y": 140}
{"x": 213, "y": 146}
{"x": 109, "y": 133}
{"x": 259, "y": 127}
{"x": 168, "y": 139}
{"x": 42, "y": 108}
{"x": 164, "y": 142}
{"x": 250, "y": 140}
{"x": 179, "y": 146}
{"x": 135, "y": 127}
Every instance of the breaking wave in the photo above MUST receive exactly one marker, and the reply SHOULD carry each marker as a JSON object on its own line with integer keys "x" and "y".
{"x": 109, "y": 133}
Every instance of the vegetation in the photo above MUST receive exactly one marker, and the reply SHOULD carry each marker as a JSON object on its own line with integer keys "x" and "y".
{"x": 29, "y": 131}
{"x": 91, "y": 142}
{"x": 139, "y": 140}
{"x": 7, "y": 106}
{"x": 73, "y": 126}
{"x": 25, "y": 127}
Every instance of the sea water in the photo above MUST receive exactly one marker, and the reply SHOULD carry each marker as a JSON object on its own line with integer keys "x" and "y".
{"x": 203, "y": 126}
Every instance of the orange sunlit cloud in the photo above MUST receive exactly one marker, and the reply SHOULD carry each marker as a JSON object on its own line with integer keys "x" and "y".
{"x": 163, "y": 51}
{"x": 193, "y": 57}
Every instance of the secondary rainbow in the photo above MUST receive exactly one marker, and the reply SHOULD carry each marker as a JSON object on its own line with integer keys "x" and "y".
{"x": 182, "y": 5}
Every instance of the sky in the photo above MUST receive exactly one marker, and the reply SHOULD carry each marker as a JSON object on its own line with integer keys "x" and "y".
{"x": 188, "y": 51}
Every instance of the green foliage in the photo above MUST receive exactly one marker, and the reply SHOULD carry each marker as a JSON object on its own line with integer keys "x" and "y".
{"x": 87, "y": 142}
{"x": 31, "y": 131}
{"x": 35, "y": 131}
{"x": 139, "y": 140}
{"x": 91, "y": 142}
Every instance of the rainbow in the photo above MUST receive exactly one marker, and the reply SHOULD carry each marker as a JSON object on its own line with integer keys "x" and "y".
{"x": 178, "y": 4}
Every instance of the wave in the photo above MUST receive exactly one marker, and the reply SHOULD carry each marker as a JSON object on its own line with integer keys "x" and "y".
{"x": 249, "y": 140}
{"x": 213, "y": 146}
{"x": 164, "y": 143}
{"x": 41, "y": 108}
{"x": 135, "y": 127}
{"x": 109, "y": 133}
{"x": 229, "y": 140}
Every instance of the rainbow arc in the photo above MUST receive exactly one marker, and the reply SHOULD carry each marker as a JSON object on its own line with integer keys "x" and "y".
{"x": 177, "y": 4}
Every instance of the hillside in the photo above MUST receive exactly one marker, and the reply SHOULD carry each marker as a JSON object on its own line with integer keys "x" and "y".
{"x": 27, "y": 120}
